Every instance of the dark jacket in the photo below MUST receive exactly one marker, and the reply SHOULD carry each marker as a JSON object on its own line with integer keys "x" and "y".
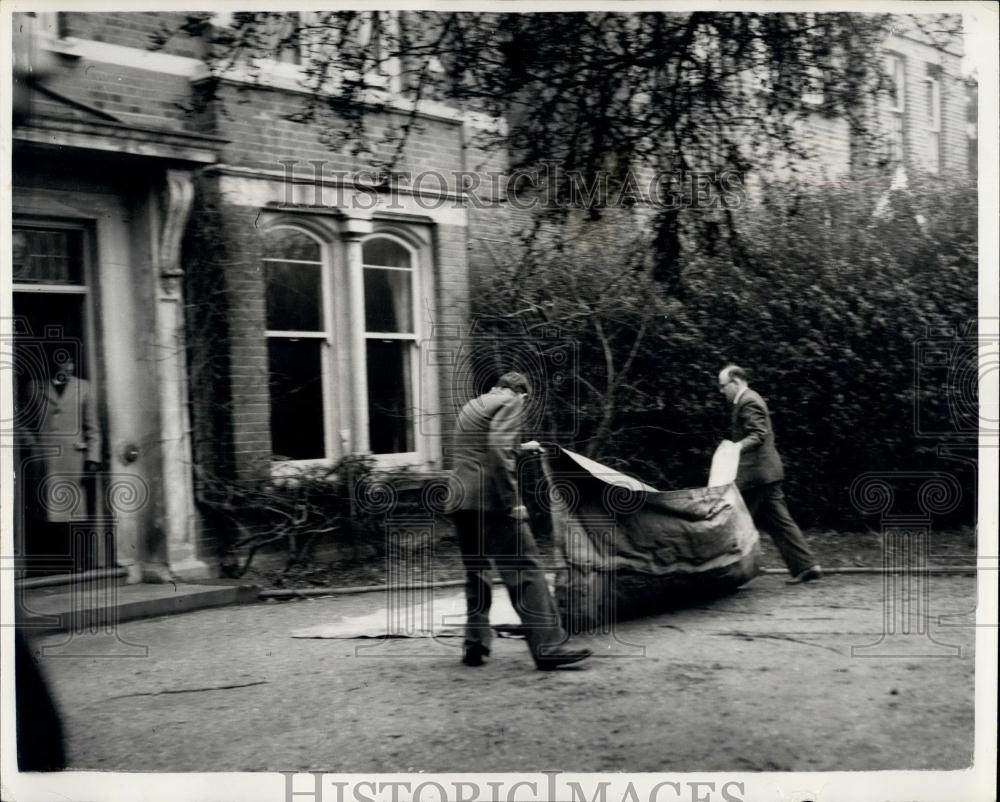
{"x": 487, "y": 433}
{"x": 760, "y": 462}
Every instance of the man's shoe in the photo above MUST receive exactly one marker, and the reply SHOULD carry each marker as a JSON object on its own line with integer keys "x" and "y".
{"x": 808, "y": 575}
{"x": 556, "y": 658}
{"x": 475, "y": 655}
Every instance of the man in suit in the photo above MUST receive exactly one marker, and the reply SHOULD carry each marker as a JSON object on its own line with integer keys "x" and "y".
{"x": 66, "y": 434}
{"x": 492, "y": 527}
{"x": 760, "y": 474}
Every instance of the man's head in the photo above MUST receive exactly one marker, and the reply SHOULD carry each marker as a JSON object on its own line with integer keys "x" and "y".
{"x": 732, "y": 380}
{"x": 62, "y": 365}
{"x": 515, "y": 382}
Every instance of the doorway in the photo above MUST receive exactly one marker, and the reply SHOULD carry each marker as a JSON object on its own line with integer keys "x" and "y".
{"x": 59, "y": 518}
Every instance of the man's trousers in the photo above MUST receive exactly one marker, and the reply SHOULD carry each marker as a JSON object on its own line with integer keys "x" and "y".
{"x": 770, "y": 512}
{"x": 495, "y": 539}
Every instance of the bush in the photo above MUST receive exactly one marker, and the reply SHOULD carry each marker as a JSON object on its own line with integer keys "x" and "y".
{"x": 822, "y": 297}
{"x": 343, "y": 505}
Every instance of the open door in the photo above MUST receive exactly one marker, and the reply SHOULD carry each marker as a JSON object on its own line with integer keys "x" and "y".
{"x": 59, "y": 515}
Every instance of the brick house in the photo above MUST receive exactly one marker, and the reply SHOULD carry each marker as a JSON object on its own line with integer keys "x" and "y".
{"x": 242, "y": 298}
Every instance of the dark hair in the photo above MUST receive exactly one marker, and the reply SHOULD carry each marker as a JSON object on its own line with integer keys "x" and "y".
{"x": 736, "y": 372}
{"x": 514, "y": 381}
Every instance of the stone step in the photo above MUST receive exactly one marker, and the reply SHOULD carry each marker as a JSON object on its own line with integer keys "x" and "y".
{"x": 88, "y": 606}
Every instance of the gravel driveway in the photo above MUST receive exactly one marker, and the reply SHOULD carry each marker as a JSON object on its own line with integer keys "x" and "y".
{"x": 763, "y": 680}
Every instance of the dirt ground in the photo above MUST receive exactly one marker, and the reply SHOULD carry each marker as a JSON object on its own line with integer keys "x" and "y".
{"x": 763, "y": 680}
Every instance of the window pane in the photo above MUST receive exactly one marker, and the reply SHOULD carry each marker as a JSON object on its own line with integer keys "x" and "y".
{"x": 293, "y": 296}
{"x": 287, "y": 243}
{"x": 297, "y": 429}
{"x": 933, "y": 105}
{"x": 47, "y": 257}
{"x": 385, "y": 253}
{"x": 934, "y": 152}
{"x": 897, "y": 141}
{"x": 390, "y": 418}
{"x": 388, "y": 304}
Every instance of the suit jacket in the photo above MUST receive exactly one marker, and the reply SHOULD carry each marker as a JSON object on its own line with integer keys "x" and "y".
{"x": 760, "y": 462}
{"x": 487, "y": 433}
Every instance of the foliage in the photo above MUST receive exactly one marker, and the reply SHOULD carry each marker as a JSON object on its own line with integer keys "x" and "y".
{"x": 826, "y": 313}
{"x": 578, "y": 88}
{"x": 586, "y": 96}
{"x": 344, "y": 504}
{"x": 824, "y": 298}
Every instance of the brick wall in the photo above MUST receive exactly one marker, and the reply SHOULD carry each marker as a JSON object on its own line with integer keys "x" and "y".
{"x": 138, "y": 29}
{"x": 136, "y": 97}
{"x": 228, "y": 352}
{"x": 255, "y": 121}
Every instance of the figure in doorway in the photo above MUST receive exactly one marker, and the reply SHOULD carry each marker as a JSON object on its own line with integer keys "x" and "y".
{"x": 65, "y": 441}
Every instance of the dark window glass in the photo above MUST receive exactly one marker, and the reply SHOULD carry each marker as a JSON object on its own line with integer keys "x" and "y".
{"x": 385, "y": 253}
{"x": 297, "y": 430}
{"x": 390, "y": 410}
{"x": 293, "y": 296}
{"x": 41, "y": 256}
{"x": 287, "y": 244}
{"x": 388, "y": 300}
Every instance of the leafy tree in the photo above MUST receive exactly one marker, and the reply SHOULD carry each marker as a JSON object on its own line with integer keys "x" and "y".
{"x": 586, "y": 94}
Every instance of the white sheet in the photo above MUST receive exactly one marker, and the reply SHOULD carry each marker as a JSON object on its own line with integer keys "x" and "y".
{"x": 725, "y": 462}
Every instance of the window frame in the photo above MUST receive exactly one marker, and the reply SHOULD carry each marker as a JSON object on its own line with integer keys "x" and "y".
{"x": 415, "y": 338}
{"x": 896, "y": 69}
{"x": 297, "y": 71}
{"x": 325, "y": 334}
{"x": 346, "y": 418}
{"x": 88, "y": 292}
{"x": 934, "y": 124}
{"x": 897, "y": 103}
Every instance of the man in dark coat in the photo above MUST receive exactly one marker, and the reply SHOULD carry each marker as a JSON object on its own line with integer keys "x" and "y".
{"x": 760, "y": 474}
{"x": 492, "y": 527}
{"x": 68, "y": 427}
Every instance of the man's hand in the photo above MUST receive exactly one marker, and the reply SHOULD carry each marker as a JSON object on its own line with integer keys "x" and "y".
{"x": 532, "y": 446}
{"x": 519, "y": 513}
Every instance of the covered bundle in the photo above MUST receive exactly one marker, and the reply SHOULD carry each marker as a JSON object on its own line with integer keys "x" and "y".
{"x": 631, "y": 550}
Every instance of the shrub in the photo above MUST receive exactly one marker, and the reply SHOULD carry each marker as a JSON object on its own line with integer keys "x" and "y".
{"x": 824, "y": 297}
{"x": 343, "y": 505}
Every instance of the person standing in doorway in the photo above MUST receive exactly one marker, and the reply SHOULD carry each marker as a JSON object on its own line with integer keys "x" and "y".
{"x": 66, "y": 438}
{"x": 761, "y": 473}
{"x": 492, "y": 528}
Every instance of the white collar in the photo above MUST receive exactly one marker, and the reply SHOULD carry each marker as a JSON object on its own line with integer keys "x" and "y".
{"x": 739, "y": 395}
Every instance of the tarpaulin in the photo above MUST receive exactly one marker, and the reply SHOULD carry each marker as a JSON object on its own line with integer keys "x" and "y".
{"x": 629, "y": 549}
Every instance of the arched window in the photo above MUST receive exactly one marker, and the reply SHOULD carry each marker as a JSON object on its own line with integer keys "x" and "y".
{"x": 296, "y": 316}
{"x": 390, "y": 344}
{"x": 342, "y": 331}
